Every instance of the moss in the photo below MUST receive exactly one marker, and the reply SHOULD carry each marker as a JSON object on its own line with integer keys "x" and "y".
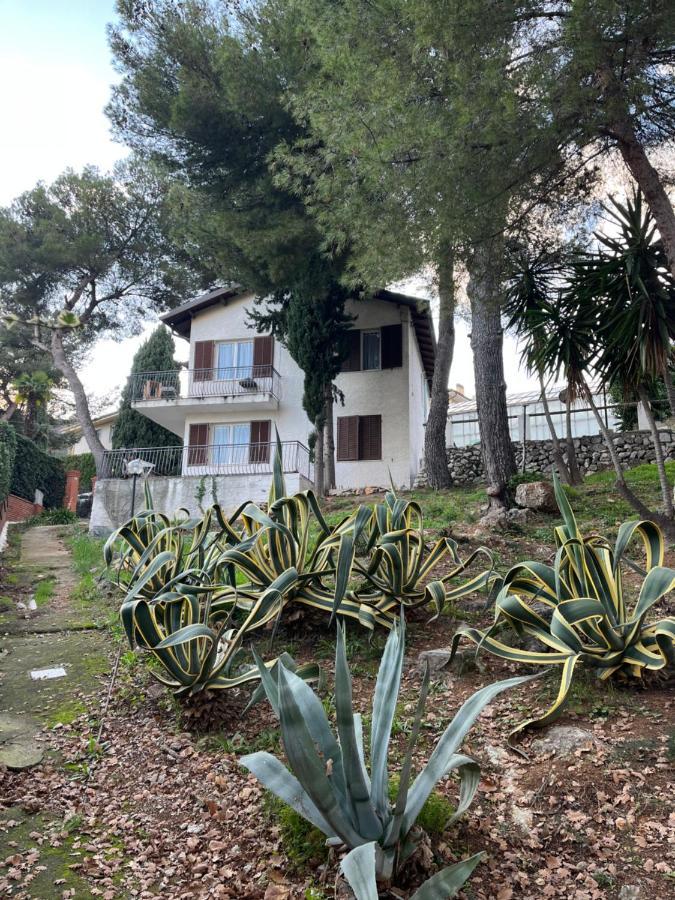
{"x": 434, "y": 815}
{"x": 303, "y": 844}
{"x": 66, "y": 713}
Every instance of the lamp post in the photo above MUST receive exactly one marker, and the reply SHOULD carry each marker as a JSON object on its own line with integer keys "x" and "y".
{"x": 136, "y": 467}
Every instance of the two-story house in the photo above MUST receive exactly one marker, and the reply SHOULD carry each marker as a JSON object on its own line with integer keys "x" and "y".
{"x": 240, "y": 386}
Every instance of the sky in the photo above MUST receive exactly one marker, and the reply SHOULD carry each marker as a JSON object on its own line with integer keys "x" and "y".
{"x": 56, "y": 73}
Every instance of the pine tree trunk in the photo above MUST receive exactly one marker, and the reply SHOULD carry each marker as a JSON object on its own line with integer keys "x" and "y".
{"x": 572, "y": 464}
{"x": 435, "y": 456}
{"x": 484, "y": 289}
{"x": 81, "y": 405}
{"x": 621, "y": 485}
{"x": 319, "y": 483}
{"x": 9, "y": 412}
{"x": 557, "y": 452}
{"x": 650, "y": 183}
{"x": 666, "y": 490}
{"x": 329, "y": 448}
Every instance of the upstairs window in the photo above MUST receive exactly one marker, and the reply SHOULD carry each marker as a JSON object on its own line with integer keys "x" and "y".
{"x": 234, "y": 359}
{"x": 374, "y": 348}
{"x": 370, "y": 352}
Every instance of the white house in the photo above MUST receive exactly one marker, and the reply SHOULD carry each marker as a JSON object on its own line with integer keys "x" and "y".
{"x": 240, "y": 386}
{"x": 105, "y": 425}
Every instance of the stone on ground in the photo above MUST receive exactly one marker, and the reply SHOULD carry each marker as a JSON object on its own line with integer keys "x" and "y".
{"x": 18, "y": 749}
{"x": 537, "y": 495}
{"x": 564, "y": 740}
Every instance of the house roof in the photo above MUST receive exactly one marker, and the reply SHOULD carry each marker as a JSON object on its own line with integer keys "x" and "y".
{"x": 105, "y": 419}
{"x": 523, "y": 398}
{"x": 180, "y": 319}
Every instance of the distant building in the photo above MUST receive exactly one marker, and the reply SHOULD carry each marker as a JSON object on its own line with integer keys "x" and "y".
{"x": 526, "y": 416}
{"x": 105, "y": 425}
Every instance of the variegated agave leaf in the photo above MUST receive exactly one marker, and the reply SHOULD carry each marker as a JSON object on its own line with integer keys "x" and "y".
{"x": 586, "y": 617}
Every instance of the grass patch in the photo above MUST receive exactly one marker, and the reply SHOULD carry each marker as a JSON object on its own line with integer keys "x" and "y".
{"x": 44, "y": 591}
{"x": 434, "y": 815}
{"x": 304, "y": 845}
{"x": 66, "y": 713}
{"x": 87, "y": 553}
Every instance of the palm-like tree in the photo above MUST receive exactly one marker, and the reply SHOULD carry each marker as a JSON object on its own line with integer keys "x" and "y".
{"x": 531, "y": 296}
{"x": 638, "y": 293}
{"x": 32, "y": 391}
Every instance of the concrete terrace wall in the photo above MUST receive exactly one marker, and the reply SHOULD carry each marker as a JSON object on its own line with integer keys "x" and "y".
{"x": 112, "y": 498}
{"x": 634, "y": 447}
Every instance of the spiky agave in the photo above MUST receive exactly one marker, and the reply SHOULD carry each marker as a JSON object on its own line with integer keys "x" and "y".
{"x": 330, "y": 785}
{"x": 577, "y": 609}
{"x": 399, "y": 566}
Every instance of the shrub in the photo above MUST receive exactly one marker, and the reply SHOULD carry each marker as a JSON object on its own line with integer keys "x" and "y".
{"x": 36, "y": 470}
{"x": 58, "y": 516}
{"x": 589, "y": 619}
{"x": 7, "y": 455}
{"x": 331, "y": 787}
{"x": 84, "y": 464}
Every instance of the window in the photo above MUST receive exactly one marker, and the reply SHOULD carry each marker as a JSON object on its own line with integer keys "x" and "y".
{"x": 359, "y": 437}
{"x": 370, "y": 349}
{"x": 374, "y": 348}
{"x": 234, "y": 359}
{"x": 230, "y": 443}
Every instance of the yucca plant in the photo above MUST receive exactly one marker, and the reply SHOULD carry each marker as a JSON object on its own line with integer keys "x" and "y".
{"x": 590, "y": 620}
{"x": 330, "y": 785}
{"x": 399, "y": 565}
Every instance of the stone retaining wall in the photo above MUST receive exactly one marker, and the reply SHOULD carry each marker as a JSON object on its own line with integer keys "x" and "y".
{"x": 634, "y": 447}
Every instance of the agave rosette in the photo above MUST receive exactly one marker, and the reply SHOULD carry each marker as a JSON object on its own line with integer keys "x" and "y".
{"x": 578, "y": 610}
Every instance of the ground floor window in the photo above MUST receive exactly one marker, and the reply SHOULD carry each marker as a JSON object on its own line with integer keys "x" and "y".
{"x": 359, "y": 437}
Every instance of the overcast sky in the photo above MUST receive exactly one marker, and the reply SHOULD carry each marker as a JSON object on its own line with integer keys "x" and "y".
{"x": 56, "y": 74}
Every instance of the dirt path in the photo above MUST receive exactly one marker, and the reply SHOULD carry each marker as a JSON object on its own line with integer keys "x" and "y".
{"x": 49, "y": 628}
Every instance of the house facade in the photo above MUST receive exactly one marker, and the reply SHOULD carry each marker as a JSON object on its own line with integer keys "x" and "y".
{"x": 240, "y": 388}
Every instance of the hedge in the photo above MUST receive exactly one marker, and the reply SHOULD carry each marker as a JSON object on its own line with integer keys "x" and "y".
{"x": 7, "y": 457}
{"x": 85, "y": 465}
{"x": 36, "y": 470}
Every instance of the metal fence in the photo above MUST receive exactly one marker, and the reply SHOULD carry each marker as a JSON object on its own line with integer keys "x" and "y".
{"x": 213, "y": 382}
{"x": 206, "y": 459}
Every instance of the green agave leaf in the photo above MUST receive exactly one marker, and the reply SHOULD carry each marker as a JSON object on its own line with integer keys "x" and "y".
{"x": 277, "y": 779}
{"x": 387, "y": 689}
{"x": 448, "y": 744}
{"x": 447, "y": 882}
{"x": 360, "y": 867}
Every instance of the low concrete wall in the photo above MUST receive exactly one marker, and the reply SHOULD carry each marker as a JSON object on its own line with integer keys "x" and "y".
{"x": 112, "y": 496}
{"x": 634, "y": 447}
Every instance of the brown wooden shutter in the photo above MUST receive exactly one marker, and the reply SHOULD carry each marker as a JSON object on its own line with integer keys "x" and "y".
{"x": 263, "y": 356}
{"x": 204, "y": 360}
{"x": 259, "y": 448}
{"x": 347, "y": 437}
{"x": 197, "y": 445}
{"x": 392, "y": 346}
{"x": 370, "y": 437}
{"x": 353, "y": 361}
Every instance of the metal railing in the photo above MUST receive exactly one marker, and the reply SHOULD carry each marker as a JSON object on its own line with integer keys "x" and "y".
{"x": 207, "y": 459}
{"x": 233, "y": 381}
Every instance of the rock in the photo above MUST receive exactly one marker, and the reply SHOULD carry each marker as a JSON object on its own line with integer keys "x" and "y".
{"x": 537, "y": 495}
{"x": 18, "y": 749}
{"x": 629, "y": 892}
{"x": 564, "y": 740}
{"x": 435, "y": 659}
{"x": 500, "y": 519}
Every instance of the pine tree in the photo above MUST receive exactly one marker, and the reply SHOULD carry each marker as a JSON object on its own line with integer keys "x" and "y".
{"x": 132, "y": 428}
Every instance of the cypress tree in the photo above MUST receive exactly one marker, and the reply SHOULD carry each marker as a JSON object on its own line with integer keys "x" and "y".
{"x": 132, "y": 428}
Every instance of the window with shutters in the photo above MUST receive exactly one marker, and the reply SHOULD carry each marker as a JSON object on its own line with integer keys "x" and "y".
{"x": 374, "y": 348}
{"x": 370, "y": 349}
{"x": 234, "y": 360}
{"x": 359, "y": 438}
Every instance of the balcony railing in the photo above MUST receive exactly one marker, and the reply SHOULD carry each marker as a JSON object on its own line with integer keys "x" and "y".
{"x": 207, "y": 459}
{"x": 233, "y": 381}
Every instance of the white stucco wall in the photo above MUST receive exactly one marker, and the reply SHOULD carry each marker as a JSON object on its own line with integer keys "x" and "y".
{"x": 112, "y": 498}
{"x": 395, "y": 394}
{"x": 105, "y": 434}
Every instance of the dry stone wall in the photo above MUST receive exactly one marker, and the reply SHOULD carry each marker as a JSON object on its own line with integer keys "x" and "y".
{"x": 633, "y": 447}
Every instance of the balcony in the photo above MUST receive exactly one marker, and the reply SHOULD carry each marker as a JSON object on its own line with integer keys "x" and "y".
{"x": 167, "y": 397}
{"x": 208, "y": 459}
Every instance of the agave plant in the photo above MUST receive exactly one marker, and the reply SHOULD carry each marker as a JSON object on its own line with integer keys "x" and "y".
{"x": 330, "y": 785}
{"x": 399, "y": 566}
{"x": 586, "y": 616}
